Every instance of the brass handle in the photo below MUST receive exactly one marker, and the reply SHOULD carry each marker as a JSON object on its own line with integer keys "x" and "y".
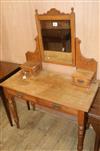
{"x": 56, "y": 106}
{"x": 18, "y": 94}
{"x": 80, "y": 81}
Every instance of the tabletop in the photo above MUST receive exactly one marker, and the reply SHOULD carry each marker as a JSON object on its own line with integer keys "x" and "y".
{"x": 7, "y": 69}
{"x": 54, "y": 87}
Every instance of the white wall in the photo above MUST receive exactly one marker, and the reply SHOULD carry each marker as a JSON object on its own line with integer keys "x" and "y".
{"x": 19, "y": 29}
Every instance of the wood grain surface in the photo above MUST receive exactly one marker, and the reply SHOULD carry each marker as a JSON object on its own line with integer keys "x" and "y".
{"x": 55, "y": 88}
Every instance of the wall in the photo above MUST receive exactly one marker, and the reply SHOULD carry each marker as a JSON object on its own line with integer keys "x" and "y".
{"x": 19, "y": 30}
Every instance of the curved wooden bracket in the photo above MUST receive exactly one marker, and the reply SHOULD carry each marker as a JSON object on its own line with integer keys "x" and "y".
{"x": 36, "y": 55}
{"x": 82, "y": 62}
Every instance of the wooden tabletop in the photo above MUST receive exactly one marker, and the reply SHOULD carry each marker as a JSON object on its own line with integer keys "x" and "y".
{"x": 7, "y": 69}
{"x": 54, "y": 87}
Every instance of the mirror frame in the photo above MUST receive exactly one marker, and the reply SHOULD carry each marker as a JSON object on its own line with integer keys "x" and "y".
{"x": 54, "y": 15}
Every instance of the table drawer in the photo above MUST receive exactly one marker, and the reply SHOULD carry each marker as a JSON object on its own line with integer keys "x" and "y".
{"x": 45, "y": 103}
{"x": 21, "y": 95}
{"x": 56, "y": 106}
{"x": 49, "y": 104}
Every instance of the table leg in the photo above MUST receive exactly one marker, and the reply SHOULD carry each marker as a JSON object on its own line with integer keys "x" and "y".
{"x": 87, "y": 122}
{"x": 28, "y": 105}
{"x": 81, "y": 130}
{"x": 97, "y": 143}
{"x": 33, "y": 105}
{"x": 5, "y": 103}
{"x": 13, "y": 110}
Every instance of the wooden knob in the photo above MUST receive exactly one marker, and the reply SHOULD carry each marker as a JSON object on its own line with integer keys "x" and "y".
{"x": 72, "y": 9}
{"x": 36, "y": 11}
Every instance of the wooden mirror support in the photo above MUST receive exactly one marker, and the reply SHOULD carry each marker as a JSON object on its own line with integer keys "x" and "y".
{"x": 81, "y": 61}
{"x": 78, "y": 60}
{"x": 36, "y": 55}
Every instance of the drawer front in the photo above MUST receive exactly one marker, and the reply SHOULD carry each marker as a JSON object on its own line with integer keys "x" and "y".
{"x": 45, "y": 103}
{"x": 56, "y": 107}
{"x": 49, "y": 104}
{"x": 21, "y": 95}
{"x": 11, "y": 92}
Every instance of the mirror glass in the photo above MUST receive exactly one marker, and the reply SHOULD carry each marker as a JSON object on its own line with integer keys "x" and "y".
{"x": 56, "y": 40}
{"x": 56, "y": 35}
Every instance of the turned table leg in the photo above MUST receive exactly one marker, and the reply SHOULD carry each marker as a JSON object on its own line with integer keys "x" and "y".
{"x": 33, "y": 105}
{"x": 81, "y": 130}
{"x": 28, "y": 105}
{"x": 97, "y": 143}
{"x": 13, "y": 110}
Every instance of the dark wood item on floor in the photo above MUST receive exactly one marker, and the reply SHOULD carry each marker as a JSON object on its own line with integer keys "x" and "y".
{"x": 94, "y": 119}
{"x": 7, "y": 69}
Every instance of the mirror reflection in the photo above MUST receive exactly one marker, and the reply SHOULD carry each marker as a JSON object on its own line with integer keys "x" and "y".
{"x": 56, "y": 35}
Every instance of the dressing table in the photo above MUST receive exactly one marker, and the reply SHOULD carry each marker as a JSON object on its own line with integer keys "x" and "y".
{"x": 56, "y": 43}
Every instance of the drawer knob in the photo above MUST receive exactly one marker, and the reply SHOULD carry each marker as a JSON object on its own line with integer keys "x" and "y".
{"x": 18, "y": 94}
{"x": 56, "y": 106}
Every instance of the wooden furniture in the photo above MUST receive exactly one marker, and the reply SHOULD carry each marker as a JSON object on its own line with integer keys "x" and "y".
{"x": 30, "y": 68}
{"x": 71, "y": 58}
{"x": 51, "y": 89}
{"x": 56, "y": 33}
{"x": 82, "y": 78}
{"x": 54, "y": 91}
{"x": 7, "y": 69}
{"x": 94, "y": 119}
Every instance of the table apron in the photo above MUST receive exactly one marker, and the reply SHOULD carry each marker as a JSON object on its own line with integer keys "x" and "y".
{"x": 39, "y": 101}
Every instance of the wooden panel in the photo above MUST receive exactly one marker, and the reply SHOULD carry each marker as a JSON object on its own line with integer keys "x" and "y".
{"x": 38, "y": 101}
{"x": 20, "y": 95}
{"x": 36, "y": 55}
{"x": 7, "y": 69}
{"x": 82, "y": 62}
{"x": 56, "y": 106}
